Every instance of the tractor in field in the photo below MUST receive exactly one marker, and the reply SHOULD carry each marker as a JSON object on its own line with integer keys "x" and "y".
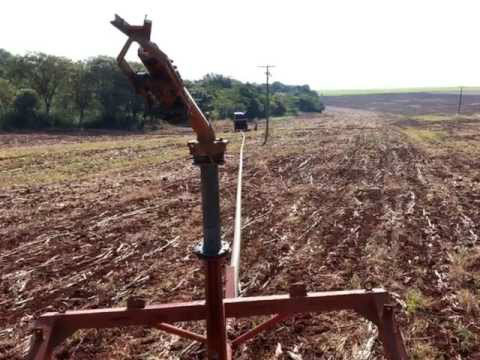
{"x": 240, "y": 121}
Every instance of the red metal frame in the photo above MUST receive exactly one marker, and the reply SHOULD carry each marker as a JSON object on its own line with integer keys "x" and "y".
{"x": 52, "y": 328}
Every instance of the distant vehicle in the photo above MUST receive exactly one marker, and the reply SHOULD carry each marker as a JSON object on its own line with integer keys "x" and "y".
{"x": 240, "y": 121}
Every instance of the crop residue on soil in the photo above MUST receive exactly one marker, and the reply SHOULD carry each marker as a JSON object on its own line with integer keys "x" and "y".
{"x": 334, "y": 201}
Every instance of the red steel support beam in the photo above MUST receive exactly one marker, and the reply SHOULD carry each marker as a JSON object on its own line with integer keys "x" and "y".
{"x": 216, "y": 323}
{"x": 230, "y": 286}
{"x": 181, "y": 332}
{"x": 197, "y": 310}
{"x": 53, "y": 328}
{"x": 258, "y": 329}
{"x": 313, "y": 302}
{"x": 391, "y": 336}
{"x": 108, "y": 318}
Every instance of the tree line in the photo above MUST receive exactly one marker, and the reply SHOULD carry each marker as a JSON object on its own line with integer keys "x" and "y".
{"x": 39, "y": 91}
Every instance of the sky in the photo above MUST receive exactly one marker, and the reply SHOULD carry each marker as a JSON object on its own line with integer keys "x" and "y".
{"x": 327, "y": 44}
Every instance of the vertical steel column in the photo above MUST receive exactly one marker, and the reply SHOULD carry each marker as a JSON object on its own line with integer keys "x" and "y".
{"x": 216, "y": 325}
{"x": 212, "y": 244}
{"x": 390, "y": 335}
{"x": 213, "y": 253}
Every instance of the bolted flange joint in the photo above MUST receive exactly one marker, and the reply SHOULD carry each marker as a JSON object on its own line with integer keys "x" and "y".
{"x": 208, "y": 153}
{"x": 204, "y": 253}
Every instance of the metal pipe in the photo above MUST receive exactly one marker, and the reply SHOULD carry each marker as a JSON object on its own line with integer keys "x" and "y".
{"x": 212, "y": 244}
{"x": 237, "y": 236}
{"x": 199, "y": 123}
{"x": 213, "y": 253}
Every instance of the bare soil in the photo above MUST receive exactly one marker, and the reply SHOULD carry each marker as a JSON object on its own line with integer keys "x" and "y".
{"x": 334, "y": 201}
{"x": 408, "y": 103}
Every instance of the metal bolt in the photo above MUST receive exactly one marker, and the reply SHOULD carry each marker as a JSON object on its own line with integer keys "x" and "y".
{"x": 38, "y": 333}
{"x": 298, "y": 290}
{"x": 368, "y": 285}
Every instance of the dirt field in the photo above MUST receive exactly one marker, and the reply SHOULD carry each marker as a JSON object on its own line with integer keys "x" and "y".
{"x": 408, "y": 103}
{"x": 348, "y": 197}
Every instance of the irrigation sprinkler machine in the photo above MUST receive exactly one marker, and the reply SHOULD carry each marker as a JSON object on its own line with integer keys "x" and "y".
{"x": 163, "y": 84}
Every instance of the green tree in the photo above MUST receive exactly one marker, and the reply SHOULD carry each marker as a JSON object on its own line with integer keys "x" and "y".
{"x": 7, "y": 95}
{"x": 82, "y": 86}
{"x": 43, "y": 73}
{"x": 105, "y": 72}
{"x": 25, "y": 104}
{"x": 278, "y": 107}
{"x": 5, "y": 62}
{"x": 115, "y": 94}
{"x": 26, "y": 101}
{"x": 309, "y": 103}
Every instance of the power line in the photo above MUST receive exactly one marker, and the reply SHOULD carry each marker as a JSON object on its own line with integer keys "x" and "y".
{"x": 267, "y": 103}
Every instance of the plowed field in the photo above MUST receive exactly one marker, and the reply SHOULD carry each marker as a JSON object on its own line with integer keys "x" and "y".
{"x": 347, "y": 197}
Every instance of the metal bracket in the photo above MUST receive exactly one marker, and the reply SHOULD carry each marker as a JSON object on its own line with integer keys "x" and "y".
{"x": 208, "y": 153}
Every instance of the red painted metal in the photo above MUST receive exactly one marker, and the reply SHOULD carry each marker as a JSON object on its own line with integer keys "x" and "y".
{"x": 107, "y": 318}
{"x": 55, "y": 327}
{"x": 313, "y": 302}
{"x": 216, "y": 324}
{"x": 230, "y": 286}
{"x": 165, "y": 84}
{"x": 258, "y": 329}
{"x": 391, "y": 336}
{"x": 181, "y": 332}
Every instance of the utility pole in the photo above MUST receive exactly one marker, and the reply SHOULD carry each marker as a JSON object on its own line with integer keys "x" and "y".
{"x": 267, "y": 103}
{"x": 460, "y": 100}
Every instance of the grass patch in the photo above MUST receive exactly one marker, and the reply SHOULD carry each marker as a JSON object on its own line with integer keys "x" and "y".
{"x": 425, "y": 351}
{"x": 469, "y": 303}
{"x": 444, "y": 117}
{"x": 423, "y": 135}
{"x": 461, "y": 266}
{"x": 415, "y": 301}
{"x": 467, "y": 339}
{"x": 433, "y": 117}
{"x": 60, "y": 162}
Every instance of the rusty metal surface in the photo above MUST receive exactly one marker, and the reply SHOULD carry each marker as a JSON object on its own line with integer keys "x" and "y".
{"x": 164, "y": 84}
{"x": 208, "y": 153}
{"x": 143, "y": 31}
{"x": 369, "y": 304}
